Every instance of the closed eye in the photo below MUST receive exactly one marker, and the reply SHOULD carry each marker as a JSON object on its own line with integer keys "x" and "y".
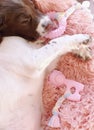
{"x": 24, "y": 19}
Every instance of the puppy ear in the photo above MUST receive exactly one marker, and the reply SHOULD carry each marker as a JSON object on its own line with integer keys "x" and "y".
{"x": 2, "y": 21}
{"x": 30, "y": 2}
{"x": 34, "y": 3}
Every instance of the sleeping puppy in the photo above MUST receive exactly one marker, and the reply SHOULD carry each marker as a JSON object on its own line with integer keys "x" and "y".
{"x": 22, "y": 71}
{"x": 21, "y": 18}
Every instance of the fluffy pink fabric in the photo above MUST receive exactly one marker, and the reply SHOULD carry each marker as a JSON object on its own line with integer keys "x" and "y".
{"x": 54, "y": 5}
{"x": 75, "y": 115}
{"x": 79, "y": 22}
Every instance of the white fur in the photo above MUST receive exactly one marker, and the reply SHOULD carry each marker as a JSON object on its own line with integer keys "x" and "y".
{"x": 44, "y": 21}
{"x": 22, "y": 71}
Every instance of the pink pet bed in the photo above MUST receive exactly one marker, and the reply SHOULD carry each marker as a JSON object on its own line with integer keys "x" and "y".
{"x": 73, "y": 115}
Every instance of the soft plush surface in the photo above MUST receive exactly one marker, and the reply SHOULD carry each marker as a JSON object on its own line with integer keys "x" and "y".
{"x": 54, "y": 5}
{"x": 75, "y": 115}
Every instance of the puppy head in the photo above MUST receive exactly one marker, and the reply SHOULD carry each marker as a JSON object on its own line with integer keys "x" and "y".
{"x": 21, "y": 18}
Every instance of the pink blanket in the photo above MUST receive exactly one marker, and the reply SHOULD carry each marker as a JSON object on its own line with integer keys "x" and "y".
{"x": 74, "y": 115}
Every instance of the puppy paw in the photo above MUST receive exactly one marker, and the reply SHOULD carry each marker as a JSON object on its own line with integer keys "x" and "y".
{"x": 83, "y": 50}
{"x": 87, "y": 40}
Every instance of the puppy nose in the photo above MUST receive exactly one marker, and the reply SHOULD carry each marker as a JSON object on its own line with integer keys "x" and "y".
{"x": 35, "y": 36}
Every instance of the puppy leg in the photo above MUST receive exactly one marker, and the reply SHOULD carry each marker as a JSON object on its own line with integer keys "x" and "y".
{"x": 44, "y": 56}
